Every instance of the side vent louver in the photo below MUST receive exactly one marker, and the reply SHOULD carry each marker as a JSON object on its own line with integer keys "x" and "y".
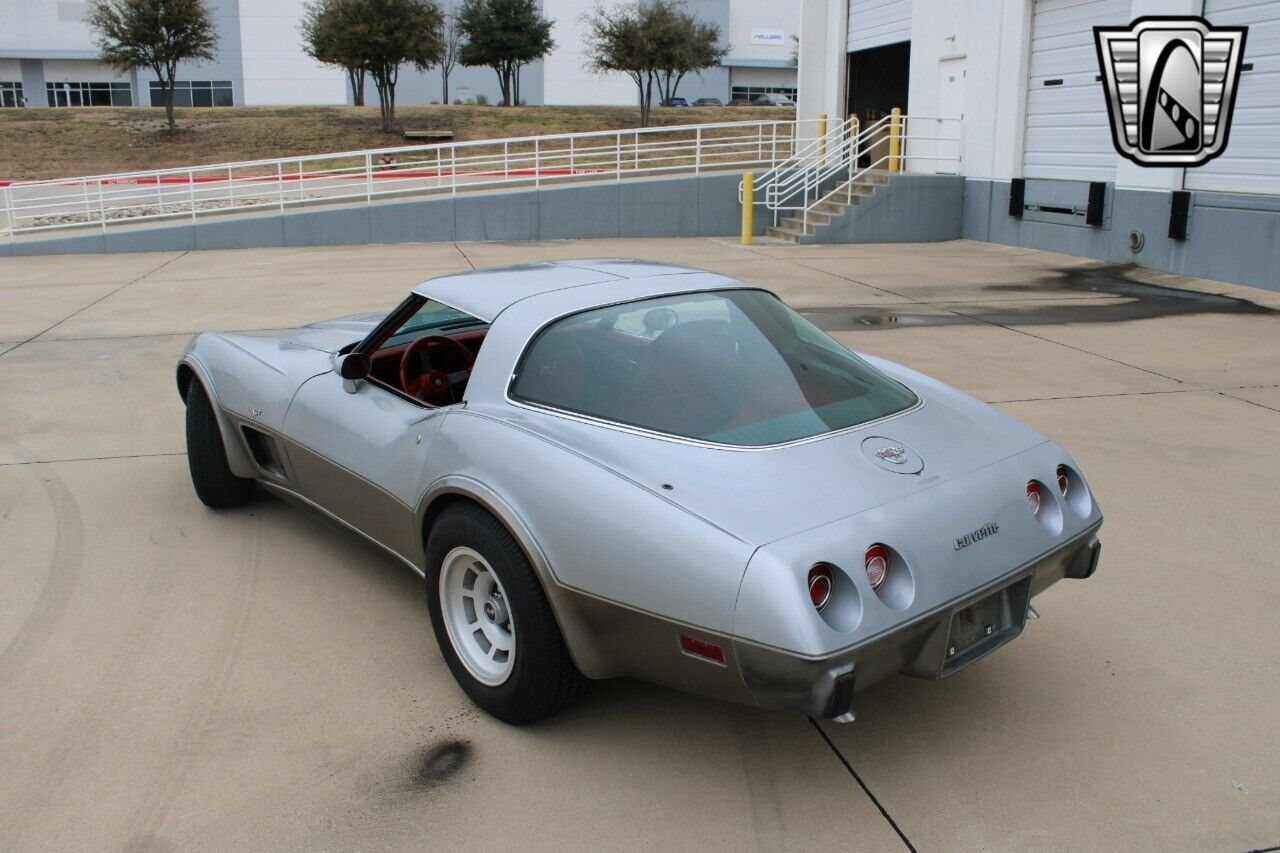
{"x": 264, "y": 451}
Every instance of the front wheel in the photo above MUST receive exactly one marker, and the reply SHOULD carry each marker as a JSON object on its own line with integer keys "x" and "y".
{"x": 492, "y": 620}
{"x": 215, "y": 485}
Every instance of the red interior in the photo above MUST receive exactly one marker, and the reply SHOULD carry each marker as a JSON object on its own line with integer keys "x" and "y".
{"x": 386, "y": 361}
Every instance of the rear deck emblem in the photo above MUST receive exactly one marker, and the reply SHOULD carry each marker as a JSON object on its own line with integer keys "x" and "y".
{"x": 1171, "y": 86}
{"x": 896, "y": 455}
{"x": 891, "y": 455}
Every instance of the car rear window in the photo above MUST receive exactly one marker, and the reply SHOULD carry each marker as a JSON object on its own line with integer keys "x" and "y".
{"x": 734, "y": 367}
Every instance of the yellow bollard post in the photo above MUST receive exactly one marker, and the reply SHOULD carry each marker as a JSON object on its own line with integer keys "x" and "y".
{"x": 895, "y": 140}
{"x": 748, "y": 209}
{"x": 822, "y": 137}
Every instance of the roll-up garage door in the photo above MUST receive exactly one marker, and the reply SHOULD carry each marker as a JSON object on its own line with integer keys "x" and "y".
{"x": 1068, "y": 134}
{"x": 1251, "y": 162}
{"x": 873, "y": 23}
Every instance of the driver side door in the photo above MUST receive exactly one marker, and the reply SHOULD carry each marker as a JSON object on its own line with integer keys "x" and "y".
{"x": 361, "y": 455}
{"x": 358, "y": 447}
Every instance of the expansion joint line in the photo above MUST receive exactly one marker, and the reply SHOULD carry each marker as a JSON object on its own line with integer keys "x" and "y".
{"x": 863, "y": 785}
{"x": 91, "y": 304}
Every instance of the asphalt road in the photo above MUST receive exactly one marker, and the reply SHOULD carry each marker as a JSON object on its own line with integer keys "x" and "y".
{"x": 177, "y": 678}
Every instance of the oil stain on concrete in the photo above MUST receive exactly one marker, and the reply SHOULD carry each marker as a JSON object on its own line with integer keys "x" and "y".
{"x": 436, "y": 764}
{"x": 1138, "y": 300}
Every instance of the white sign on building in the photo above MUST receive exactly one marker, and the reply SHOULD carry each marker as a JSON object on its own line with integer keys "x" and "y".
{"x": 774, "y": 37}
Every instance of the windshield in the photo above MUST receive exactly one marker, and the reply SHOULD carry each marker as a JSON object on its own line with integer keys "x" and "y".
{"x": 733, "y": 367}
{"x": 435, "y": 318}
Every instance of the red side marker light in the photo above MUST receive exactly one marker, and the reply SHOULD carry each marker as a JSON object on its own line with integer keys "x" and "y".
{"x": 701, "y": 649}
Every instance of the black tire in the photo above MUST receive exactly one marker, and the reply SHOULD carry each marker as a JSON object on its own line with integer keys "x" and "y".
{"x": 215, "y": 485}
{"x": 544, "y": 679}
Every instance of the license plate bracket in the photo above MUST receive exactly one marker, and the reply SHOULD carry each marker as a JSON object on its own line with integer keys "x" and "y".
{"x": 986, "y": 624}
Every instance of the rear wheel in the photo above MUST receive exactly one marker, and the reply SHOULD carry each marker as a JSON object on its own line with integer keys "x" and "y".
{"x": 215, "y": 485}
{"x": 492, "y": 620}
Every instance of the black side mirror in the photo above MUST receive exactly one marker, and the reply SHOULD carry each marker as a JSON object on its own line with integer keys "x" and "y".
{"x": 355, "y": 365}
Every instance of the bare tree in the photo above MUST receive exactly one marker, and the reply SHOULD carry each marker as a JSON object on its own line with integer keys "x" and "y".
{"x": 453, "y": 39}
{"x": 686, "y": 45}
{"x": 155, "y": 34}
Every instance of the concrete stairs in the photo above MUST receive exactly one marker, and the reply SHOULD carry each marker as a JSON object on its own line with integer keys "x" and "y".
{"x": 793, "y": 228}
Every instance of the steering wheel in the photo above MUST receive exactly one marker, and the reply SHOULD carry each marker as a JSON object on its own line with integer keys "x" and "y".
{"x": 420, "y": 379}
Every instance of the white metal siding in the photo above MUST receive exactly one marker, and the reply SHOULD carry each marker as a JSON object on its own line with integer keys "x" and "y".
{"x": 1068, "y": 134}
{"x": 873, "y": 23}
{"x": 1251, "y": 162}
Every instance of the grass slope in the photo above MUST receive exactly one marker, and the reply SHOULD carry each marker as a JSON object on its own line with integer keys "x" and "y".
{"x": 50, "y": 143}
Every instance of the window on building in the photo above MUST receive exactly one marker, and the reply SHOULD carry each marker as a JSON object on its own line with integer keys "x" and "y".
{"x": 747, "y": 93}
{"x": 11, "y": 95}
{"x": 68, "y": 94}
{"x": 194, "y": 93}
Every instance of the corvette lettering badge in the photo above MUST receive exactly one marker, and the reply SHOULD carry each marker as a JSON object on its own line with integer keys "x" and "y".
{"x": 981, "y": 533}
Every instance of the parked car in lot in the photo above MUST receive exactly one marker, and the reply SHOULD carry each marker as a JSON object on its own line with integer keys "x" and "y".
{"x": 708, "y": 102}
{"x": 772, "y": 101}
{"x": 628, "y": 468}
{"x": 675, "y": 102}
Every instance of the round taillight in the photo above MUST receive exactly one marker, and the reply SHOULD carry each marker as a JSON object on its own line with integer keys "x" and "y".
{"x": 820, "y": 585}
{"x": 1033, "y": 497}
{"x": 1064, "y": 480}
{"x": 877, "y": 563}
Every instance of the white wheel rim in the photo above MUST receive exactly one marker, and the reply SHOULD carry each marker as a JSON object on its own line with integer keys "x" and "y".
{"x": 477, "y": 616}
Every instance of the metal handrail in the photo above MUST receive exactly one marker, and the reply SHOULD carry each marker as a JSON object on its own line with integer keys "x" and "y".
{"x": 816, "y": 171}
{"x": 813, "y": 150}
{"x": 796, "y": 184}
{"x": 442, "y": 168}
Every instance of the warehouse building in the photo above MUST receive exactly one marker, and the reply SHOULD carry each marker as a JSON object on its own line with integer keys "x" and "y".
{"x": 1040, "y": 168}
{"x": 48, "y": 59}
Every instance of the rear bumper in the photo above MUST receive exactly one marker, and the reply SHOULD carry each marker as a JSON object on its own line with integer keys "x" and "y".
{"x": 824, "y": 687}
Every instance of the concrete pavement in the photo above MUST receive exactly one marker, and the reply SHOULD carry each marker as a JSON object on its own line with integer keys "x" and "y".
{"x": 172, "y": 677}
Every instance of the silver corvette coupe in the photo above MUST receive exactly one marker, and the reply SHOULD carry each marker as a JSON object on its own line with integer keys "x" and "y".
{"x": 626, "y": 468}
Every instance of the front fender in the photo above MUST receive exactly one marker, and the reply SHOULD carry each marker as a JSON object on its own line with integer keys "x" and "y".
{"x": 237, "y": 456}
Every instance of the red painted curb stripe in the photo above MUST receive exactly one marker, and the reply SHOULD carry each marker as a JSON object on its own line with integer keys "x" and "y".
{"x": 390, "y": 174}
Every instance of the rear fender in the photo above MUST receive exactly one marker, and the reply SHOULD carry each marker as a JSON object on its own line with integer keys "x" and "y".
{"x": 601, "y": 544}
{"x": 574, "y": 630}
{"x": 604, "y": 639}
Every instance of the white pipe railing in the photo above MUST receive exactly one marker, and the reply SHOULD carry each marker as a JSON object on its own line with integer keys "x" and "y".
{"x": 798, "y": 184}
{"x": 365, "y": 176}
{"x": 807, "y": 153}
